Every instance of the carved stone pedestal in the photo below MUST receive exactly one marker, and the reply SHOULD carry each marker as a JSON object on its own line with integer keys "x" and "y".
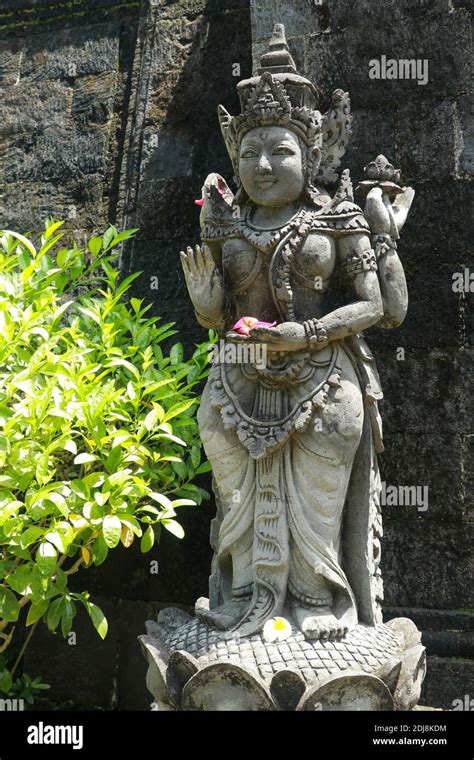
{"x": 193, "y": 667}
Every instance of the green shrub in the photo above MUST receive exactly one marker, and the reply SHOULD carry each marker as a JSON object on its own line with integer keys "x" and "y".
{"x": 99, "y": 442}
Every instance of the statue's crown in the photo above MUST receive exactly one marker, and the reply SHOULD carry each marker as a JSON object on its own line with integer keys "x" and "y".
{"x": 278, "y": 67}
{"x": 277, "y": 95}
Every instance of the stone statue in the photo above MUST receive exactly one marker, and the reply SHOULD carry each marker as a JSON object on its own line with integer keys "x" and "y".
{"x": 292, "y": 270}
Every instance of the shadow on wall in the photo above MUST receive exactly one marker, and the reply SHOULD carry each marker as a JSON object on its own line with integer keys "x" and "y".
{"x": 192, "y": 64}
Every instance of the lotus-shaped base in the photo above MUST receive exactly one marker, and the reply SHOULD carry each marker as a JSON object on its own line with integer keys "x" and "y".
{"x": 194, "y": 667}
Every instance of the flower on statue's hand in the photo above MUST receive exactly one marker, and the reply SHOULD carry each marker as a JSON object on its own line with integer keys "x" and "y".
{"x": 245, "y": 324}
{"x": 201, "y": 201}
{"x": 276, "y": 629}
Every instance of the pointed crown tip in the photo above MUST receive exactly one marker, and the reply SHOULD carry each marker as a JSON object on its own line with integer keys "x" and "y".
{"x": 279, "y": 31}
{"x": 277, "y": 58}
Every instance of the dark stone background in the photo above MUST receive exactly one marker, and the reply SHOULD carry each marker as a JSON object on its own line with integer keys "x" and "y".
{"x": 108, "y": 113}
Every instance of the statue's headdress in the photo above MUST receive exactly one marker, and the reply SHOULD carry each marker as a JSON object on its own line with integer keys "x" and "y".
{"x": 278, "y": 95}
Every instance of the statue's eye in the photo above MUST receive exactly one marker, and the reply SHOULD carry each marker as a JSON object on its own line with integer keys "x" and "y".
{"x": 248, "y": 153}
{"x": 283, "y": 150}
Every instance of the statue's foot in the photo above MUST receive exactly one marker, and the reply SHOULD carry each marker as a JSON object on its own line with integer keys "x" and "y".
{"x": 225, "y": 616}
{"x": 318, "y": 623}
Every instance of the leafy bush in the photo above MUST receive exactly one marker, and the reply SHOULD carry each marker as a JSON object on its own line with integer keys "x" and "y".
{"x": 26, "y": 688}
{"x": 99, "y": 442}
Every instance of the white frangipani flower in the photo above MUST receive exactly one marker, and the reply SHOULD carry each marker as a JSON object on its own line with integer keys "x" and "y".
{"x": 276, "y": 629}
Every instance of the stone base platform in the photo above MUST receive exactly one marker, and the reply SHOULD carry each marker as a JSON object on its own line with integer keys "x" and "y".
{"x": 195, "y": 667}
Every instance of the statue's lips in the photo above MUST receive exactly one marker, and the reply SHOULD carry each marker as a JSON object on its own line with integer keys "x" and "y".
{"x": 265, "y": 183}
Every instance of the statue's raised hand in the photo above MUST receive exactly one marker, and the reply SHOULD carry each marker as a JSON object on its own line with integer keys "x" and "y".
{"x": 385, "y": 217}
{"x": 203, "y": 281}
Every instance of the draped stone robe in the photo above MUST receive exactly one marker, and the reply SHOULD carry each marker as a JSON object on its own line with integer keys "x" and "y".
{"x": 293, "y": 443}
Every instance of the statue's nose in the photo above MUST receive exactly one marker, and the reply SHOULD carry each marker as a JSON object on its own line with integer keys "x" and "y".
{"x": 264, "y": 166}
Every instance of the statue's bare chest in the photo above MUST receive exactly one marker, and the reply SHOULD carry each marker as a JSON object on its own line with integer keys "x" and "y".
{"x": 241, "y": 260}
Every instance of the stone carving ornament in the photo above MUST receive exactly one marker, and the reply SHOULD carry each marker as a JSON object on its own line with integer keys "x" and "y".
{"x": 295, "y": 589}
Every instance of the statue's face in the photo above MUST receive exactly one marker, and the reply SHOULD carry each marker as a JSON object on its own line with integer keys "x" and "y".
{"x": 271, "y": 166}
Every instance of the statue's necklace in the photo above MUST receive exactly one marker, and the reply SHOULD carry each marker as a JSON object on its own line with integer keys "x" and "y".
{"x": 266, "y": 239}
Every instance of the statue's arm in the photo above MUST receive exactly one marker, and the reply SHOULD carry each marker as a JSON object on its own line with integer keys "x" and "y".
{"x": 386, "y": 221}
{"x": 358, "y": 259}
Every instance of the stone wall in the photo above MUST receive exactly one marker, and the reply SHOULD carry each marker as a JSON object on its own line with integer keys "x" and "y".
{"x": 109, "y": 114}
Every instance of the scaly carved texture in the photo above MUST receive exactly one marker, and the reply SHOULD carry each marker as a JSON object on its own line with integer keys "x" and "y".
{"x": 364, "y": 648}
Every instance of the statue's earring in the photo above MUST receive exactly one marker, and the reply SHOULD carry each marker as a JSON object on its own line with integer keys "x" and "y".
{"x": 315, "y": 160}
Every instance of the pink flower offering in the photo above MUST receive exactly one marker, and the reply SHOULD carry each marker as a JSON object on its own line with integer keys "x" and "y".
{"x": 201, "y": 201}
{"x": 245, "y": 324}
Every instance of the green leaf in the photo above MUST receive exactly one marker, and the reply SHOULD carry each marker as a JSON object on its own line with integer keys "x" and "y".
{"x": 101, "y": 498}
{"x": 174, "y": 527}
{"x": 98, "y": 619}
{"x": 95, "y": 244}
{"x": 59, "y": 502}
{"x": 118, "y": 362}
{"x": 195, "y": 456}
{"x": 111, "y": 528}
{"x": 55, "y": 612}
{"x": 7, "y": 510}
{"x": 27, "y": 243}
{"x": 179, "y": 408}
{"x": 80, "y": 488}
{"x": 156, "y": 415}
{"x": 31, "y": 534}
{"x": 180, "y": 470}
{"x": 5, "y": 681}
{"x": 85, "y": 457}
{"x": 147, "y": 540}
{"x": 109, "y": 235}
{"x": 131, "y": 390}
{"x": 69, "y": 610}
{"x": 61, "y": 579}
{"x": 132, "y": 523}
{"x": 176, "y": 353}
{"x": 21, "y": 580}
{"x": 125, "y": 235}
{"x": 61, "y": 309}
{"x": 9, "y": 607}
{"x": 161, "y": 499}
{"x": 100, "y": 551}
{"x": 135, "y": 303}
{"x": 204, "y": 467}
{"x": 183, "y": 503}
{"x": 125, "y": 284}
{"x": 113, "y": 458}
{"x": 111, "y": 273}
{"x": 51, "y": 229}
{"x": 37, "y": 611}
{"x": 55, "y": 538}
{"x": 46, "y": 557}
{"x": 71, "y": 446}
